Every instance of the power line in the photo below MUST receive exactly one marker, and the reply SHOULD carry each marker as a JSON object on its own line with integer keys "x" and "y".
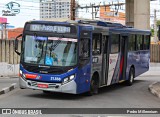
{"x": 95, "y": 8}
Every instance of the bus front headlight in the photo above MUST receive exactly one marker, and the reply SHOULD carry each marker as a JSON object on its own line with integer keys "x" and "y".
{"x": 68, "y": 79}
{"x": 20, "y": 72}
{"x": 22, "y": 75}
{"x": 71, "y": 77}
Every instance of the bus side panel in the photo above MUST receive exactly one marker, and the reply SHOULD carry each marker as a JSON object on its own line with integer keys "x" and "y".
{"x": 131, "y": 61}
{"x": 140, "y": 61}
{"x": 143, "y": 65}
{"x": 83, "y": 79}
{"x": 97, "y": 67}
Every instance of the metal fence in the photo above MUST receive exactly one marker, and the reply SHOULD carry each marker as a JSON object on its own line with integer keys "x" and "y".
{"x": 7, "y": 53}
{"x": 155, "y": 53}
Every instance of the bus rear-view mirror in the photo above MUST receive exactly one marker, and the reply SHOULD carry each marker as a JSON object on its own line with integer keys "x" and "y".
{"x": 16, "y": 44}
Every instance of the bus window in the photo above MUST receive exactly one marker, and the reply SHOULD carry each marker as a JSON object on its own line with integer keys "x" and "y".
{"x": 146, "y": 42}
{"x": 132, "y": 43}
{"x": 115, "y": 43}
{"x": 96, "y": 44}
{"x": 139, "y": 42}
{"x": 84, "y": 50}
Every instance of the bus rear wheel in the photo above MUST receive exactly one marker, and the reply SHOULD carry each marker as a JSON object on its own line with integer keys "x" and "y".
{"x": 130, "y": 80}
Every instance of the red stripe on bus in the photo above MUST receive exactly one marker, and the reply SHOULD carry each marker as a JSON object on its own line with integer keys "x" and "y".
{"x": 32, "y": 76}
{"x": 121, "y": 65}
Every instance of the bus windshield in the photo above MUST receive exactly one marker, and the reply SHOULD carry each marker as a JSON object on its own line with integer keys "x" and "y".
{"x": 52, "y": 51}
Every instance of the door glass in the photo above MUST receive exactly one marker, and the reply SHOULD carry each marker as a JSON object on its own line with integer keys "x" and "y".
{"x": 84, "y": 49}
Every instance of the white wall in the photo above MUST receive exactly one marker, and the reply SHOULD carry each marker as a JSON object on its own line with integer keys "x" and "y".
{"x": 9, "y": 69}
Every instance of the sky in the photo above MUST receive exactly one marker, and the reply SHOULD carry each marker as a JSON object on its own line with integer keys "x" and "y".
{"x": 29, "y": 10}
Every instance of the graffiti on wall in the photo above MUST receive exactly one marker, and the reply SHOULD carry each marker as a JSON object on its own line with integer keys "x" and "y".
{"x": 10, "y": 67}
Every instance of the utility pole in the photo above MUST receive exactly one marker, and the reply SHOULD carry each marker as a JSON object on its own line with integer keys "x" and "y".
{"x": 93, "y": 6}
{"x": 4, "y": 31}
{"x": 73, "y": 9}
{"x": 155, "y": 25}
{"x": 92, "y": 13}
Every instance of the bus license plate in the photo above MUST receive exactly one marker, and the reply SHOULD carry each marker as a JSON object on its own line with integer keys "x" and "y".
{"x": 43, "y": 85}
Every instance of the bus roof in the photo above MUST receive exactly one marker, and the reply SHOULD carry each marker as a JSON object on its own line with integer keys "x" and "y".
{"x": 46, "y": 22}
{"x": 114, "y": 27}
{"x": 130, "y": 31}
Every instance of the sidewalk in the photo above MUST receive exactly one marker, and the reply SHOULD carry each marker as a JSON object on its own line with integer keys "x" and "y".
{"x": 155, "y": 89}
{"x": 154, "y": 70}
{"x": 8, "y": 84}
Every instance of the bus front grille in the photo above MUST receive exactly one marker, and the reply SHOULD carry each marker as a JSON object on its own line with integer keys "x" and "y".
{"x": 35, "y": 84}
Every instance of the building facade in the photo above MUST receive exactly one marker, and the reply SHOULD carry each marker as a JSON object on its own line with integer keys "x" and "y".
{"x": 54, "y": 9}
{"x": 111, "y": 15}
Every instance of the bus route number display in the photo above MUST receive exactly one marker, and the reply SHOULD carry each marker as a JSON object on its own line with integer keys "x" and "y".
{"x": 47, "y": 28}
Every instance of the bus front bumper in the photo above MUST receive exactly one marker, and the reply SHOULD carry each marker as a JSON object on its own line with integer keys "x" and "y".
{"x": 69, "y": 87}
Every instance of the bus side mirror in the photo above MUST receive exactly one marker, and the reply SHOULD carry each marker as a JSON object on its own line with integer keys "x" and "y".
{"x": 16, "y": 44}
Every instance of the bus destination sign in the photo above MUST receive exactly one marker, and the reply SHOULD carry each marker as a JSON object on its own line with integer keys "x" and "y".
{"x": 49, "y": 28}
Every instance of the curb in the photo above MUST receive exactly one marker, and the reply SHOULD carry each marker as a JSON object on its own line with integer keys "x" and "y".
{"x": 8, "y": 77}
{"x": 153, "y": 90}
{"x": 150, "y": 73}
{"x": 8, "y": 89}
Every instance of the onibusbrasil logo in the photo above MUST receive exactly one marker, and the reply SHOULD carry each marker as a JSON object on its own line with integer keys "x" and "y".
{"x": 12, "y": 8}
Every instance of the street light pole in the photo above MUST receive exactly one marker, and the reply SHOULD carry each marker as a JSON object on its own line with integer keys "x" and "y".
{"x": 155, "y": 25}
{"x": 73, "y": 9}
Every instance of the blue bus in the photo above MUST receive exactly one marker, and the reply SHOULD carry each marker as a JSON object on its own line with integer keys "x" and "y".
{"x": 80, "y": 56}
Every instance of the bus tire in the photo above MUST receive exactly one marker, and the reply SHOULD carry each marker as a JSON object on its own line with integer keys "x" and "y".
{"x": 93, "y": 87}
{"x": 130, "y": 81}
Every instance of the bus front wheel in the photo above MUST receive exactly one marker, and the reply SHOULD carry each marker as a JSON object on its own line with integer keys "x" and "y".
{"x": 93, "y": 87}
{"x": 130, "y": 80}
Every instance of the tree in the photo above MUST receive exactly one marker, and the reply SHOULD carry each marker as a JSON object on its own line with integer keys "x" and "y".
{"x": 152, "y": 30}
{"x": 158, "y": 22}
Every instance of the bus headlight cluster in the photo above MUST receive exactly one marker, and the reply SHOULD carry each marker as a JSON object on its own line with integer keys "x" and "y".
{"x": 20, "y": 72}
{"x": 68, "y": 79}
{"x": 22, "y": 75}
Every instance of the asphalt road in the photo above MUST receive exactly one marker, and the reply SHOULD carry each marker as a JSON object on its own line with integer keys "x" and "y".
{"x": 115, "y": 96}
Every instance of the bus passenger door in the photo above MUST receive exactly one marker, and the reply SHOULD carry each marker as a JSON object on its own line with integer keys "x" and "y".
{"x": 123, "y": 61}
{"x": 114, "y": 59}
{"x": 84, "y": 66}
{"x": 105, "y": 59}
